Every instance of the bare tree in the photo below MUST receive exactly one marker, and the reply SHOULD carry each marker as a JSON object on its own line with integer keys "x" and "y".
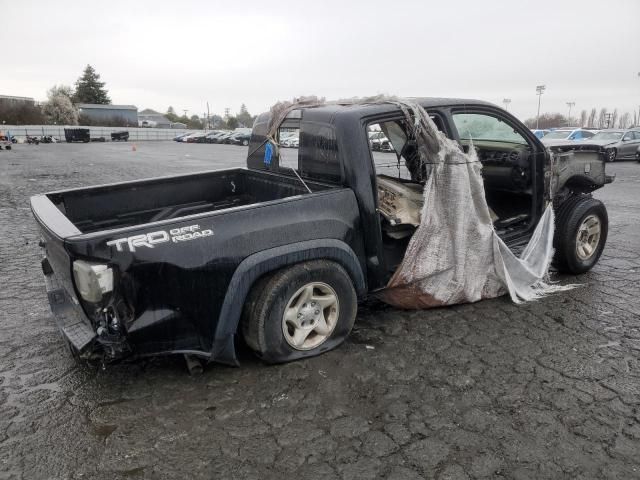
{"x": 614, "y": 118}
{"x": 625, "y": 120}
{"x": 583, "y": 118}
{"x": 602, "y": 118}
{"x": 592, "y": 118}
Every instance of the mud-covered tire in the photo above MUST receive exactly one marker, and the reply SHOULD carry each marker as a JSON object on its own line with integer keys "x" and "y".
{"x": 571, "y": 216}
{"x": 263, "y": 315}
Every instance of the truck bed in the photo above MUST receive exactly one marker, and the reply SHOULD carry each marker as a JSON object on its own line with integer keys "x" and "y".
{"x": 134, "y": 203}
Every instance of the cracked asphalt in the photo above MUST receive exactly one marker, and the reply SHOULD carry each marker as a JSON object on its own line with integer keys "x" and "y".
{"x": 550, "y": 389}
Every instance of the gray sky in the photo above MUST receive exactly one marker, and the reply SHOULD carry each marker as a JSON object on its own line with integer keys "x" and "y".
{"x": 160, "y": 53}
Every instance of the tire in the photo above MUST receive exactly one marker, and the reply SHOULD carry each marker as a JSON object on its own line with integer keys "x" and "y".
{"x": 271, "y": 334}
{"x": 245, "y": 142}
{"x": 612, "y": 153}
{"x": 580, "y": 215}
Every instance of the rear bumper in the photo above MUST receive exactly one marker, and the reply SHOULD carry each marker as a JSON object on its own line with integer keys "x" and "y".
{"x": 69, "y": 317}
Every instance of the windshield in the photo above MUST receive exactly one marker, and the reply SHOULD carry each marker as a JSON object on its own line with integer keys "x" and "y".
{"x": 557, "y": 135}
{"x": 607, "y": 136}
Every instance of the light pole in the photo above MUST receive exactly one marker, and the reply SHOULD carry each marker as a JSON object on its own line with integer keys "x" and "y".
{"x": 570, "y": 104}
{"x": 539, "y": 91}
{"x": 506, "y": 102}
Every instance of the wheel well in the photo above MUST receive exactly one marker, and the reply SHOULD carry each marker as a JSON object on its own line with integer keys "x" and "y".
{"x": 256, "y": 266}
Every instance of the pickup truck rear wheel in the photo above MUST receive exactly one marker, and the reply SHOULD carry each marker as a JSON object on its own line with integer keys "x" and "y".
{"x": 582, "y": 225}
{"x": 300, "y": 311}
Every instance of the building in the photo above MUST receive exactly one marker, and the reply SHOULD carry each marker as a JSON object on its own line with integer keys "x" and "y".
{"x": 11, "y": 101}
{"x": 124, "y": 115}
{"x": 152, "y": 119}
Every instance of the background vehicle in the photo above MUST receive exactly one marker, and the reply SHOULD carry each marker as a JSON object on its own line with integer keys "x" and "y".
{"x": 540, "y": 133}
{"x": 77, "y": 135}
{"x": 564, "y": 134}
{"x": 186, "y": 264}
{"x": 120, "y": 136}
{"x": 211, "y": 136}
{"x": 240, "y": 139}
{"x": 377, "y": 139}
{"x": 197, "y": 137}
{"x": 290, "y": 141}
{"x": 6, "y": 142}
{"x": 638, "y": 154}
{"x": 180, "y": 137}
{"x": 619, "y": 144}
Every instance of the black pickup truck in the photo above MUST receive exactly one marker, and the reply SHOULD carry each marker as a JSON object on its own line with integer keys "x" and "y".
{"x": 280, "y": 252}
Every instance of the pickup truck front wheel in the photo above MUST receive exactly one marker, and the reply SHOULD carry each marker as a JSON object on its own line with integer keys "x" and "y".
{"x": 582, "y": 225}
{"x": 300, "y": 311}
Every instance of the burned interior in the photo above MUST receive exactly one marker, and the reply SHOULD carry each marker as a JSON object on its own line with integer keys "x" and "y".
{"x": 506, "y": 169}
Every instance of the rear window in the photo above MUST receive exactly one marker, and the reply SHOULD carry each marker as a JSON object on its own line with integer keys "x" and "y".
{"x": 309, "y": 148}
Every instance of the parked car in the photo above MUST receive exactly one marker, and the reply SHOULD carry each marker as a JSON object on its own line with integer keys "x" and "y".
{"x": 540, "y": 132}
{"x": 219, "y": 136}
{"x": 619, "y": 144}
{"x": 197, "y": 137}
{"x": 377, "y": 139}
{"x": 241, "y": 139}
{"x": 77, "y": 135}
{"x": 561, "y": 135}
{"x": 179, "y": 138}
{"x": 290, "y": 141}
{"x": 226, "y": 138}
{"x": 638, "y": 154}
{"x": 120, "y": 136}
{"x": 187, "y": 264}
{"x": 210, "y": 136}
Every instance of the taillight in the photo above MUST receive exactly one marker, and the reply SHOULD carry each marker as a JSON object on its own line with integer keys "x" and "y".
{"x": 92, "y": 280}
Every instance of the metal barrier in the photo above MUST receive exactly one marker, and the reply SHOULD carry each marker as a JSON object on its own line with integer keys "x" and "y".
{"x": 135, "y": 133}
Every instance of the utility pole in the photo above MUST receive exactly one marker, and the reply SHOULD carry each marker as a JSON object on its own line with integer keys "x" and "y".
{"x": 570, "y": 104}
{"x": 208, "y": 121}
{"x": 185, "y": 112}
{"x": 539, "y": 91}
{"x": 506, "y": 102}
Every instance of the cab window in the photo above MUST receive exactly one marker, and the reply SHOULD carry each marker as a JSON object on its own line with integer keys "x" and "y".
{"x": 481, "y": 126}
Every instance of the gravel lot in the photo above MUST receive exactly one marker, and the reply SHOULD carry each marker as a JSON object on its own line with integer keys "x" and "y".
{"x": 491, "y": 390}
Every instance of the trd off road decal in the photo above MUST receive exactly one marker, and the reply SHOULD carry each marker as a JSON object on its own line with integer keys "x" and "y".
{"x": 175, "y": 235}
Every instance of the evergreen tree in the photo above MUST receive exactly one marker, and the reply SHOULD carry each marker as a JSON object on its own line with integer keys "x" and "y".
{"x": 89, "y": 88}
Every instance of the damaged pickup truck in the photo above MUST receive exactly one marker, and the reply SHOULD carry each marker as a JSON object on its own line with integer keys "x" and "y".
{"x": 280, "y": 252}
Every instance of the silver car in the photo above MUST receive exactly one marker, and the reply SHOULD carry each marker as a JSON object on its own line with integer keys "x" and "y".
{"x": 619, "y": 144}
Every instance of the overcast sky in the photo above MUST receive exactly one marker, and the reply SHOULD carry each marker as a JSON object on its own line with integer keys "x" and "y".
{"x": 160, "y": 53}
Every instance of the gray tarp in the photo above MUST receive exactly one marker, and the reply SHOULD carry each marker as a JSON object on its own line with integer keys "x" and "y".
{"x": 455, "y": 255}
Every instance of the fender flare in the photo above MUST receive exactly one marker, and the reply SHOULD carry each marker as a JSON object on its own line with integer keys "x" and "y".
{"x": 255, "y": 266}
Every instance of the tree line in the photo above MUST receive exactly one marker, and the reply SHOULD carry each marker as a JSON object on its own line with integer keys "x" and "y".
{"x": 593, "y": 118}
{"x": 61, "y": 108}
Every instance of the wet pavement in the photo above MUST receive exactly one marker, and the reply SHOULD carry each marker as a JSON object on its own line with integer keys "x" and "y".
{"x": 550, "y": 389}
